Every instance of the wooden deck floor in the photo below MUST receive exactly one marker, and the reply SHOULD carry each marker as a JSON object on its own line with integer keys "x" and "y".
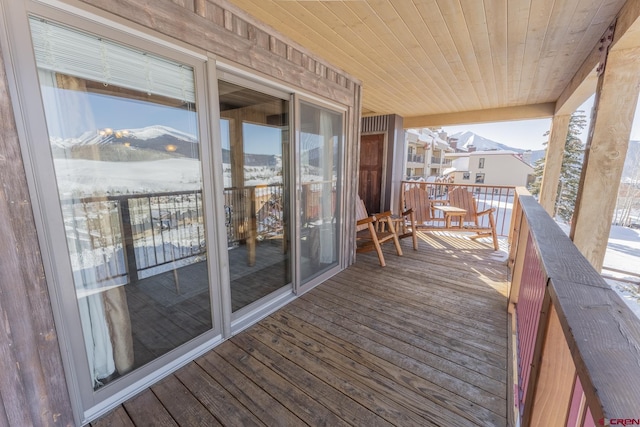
{"x": 420, "y": 342}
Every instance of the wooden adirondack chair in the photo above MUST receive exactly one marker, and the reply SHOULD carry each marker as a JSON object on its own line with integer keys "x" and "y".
{"x": 369, "y": 235}
{"x": 462, "y": 198}
{"x": 417, "y": 200}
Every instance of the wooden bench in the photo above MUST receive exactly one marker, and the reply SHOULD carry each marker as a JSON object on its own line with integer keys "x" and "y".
{"x": 416, "y": 198}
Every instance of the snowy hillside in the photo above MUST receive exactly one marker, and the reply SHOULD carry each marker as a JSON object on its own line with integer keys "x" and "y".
{"x": 466, "y": 139}
{"x": 106, "y": 136}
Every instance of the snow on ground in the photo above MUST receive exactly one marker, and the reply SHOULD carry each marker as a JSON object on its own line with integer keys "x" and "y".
{"x": 623, "y": 253}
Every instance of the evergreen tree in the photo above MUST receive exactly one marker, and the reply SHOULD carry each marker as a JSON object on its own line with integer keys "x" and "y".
{"x": 570, "y": 170}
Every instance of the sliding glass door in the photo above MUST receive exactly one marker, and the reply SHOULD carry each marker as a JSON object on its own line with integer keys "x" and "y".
{"x": 254, "y": 129}
{"x": 125, "y": 144}
{"x": 319, "y": 157}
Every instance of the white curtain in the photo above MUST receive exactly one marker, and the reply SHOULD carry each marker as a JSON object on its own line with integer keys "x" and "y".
{"x": 327, "y": 229}
{"x": 67, "y": 112}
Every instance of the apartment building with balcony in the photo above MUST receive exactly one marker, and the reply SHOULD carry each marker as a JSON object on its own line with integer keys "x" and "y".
{"x": 426, "y": 153}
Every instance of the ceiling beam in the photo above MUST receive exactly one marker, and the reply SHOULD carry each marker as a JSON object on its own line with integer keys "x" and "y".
{"x": 521, "y": 112}
{"x": 583, "y": 83}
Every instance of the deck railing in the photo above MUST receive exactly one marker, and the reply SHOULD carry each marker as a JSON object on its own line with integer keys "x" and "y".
{"x": 123, "y": 238}
{"x": 576, "y": 344}
{"x": 487, "y": 196}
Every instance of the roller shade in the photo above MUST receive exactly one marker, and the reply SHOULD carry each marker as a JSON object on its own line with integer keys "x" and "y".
{"x": 79, "y": 54}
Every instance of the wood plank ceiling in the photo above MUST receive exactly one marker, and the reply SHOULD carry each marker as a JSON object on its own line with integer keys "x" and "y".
{"x": 435, "y": 57}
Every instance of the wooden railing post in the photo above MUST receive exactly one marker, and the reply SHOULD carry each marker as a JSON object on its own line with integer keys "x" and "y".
{"x": 516, "y": 258}
{"x": 127, "y": 240}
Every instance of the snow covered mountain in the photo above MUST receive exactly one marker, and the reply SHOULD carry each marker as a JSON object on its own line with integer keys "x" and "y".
{"x": 467, "y": 139}
{"x": 149, "y": 143}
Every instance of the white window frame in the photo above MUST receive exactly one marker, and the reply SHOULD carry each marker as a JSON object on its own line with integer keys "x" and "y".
{"x": 88, "y": 404}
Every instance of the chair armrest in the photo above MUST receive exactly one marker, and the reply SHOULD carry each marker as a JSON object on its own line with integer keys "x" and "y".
{"x": 366, "y": 220}
{"x": 485, "y": 212}
{"x": 407, "y": 212}
{"x": 382, "y": 216}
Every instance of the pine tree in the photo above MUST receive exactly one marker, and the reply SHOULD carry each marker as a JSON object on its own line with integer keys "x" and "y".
{"x": 569, "y": 171}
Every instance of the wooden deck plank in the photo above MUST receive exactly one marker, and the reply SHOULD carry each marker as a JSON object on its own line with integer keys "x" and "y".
{"x": 379, "y": 397}
{"x": 447, "y": 382}
{"x": 181, "y": 404}
{"x": 487, "y": 377}
{"x": 470, "y": 344}
{"x": 409, "y": 375}
{"x": 411, "y": 344}
{"x": 299, "y": 403}
{"x": 342, "y": 404}
{"x": 116, "y": 418}
{"x": 427, "y": 309}
{"x": 256, "y": 399}
{"x": 420, "y": 342}
{"x": 216, "y": 398}
{"x": 146, "y": 409}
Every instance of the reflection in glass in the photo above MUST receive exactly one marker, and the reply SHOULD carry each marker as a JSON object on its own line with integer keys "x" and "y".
{"x": 320, "y": 145}
{"x": 255, "y": 140}
{"x": 127, "y": 168}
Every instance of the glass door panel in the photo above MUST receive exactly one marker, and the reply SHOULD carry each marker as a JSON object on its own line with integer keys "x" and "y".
{"x": 320, "y": 178}
{"x": 255, "y": 154}
{"x": 123, "y": 135}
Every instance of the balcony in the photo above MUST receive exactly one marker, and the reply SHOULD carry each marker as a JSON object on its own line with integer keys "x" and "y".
{"x": 414, "y": 343}
{"x": 439, "y": 336}
{"x": 415, "y": 158}
{"x": 439, "y": 161}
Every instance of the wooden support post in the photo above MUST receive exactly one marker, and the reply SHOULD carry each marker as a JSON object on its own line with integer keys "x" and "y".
{"x": 605, "y": 153}
{"x": 553, "y": 162}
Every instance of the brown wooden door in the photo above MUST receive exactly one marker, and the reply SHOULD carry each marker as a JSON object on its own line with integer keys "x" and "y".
{"x": 371, "y": 161}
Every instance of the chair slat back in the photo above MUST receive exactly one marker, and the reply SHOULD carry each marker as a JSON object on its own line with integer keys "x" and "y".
{"x": 361, "y": 213}
{"x": 462, "y": 198}
{"x": 417, "y": 199}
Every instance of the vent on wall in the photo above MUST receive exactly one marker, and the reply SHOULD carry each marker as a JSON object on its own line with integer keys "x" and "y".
{"x": 375, "y": 124}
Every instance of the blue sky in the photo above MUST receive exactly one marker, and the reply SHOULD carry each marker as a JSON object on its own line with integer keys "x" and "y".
{"x": 524, "y": 134}
{"x": 120, "y": 113}
{"x": 527, "y": 134}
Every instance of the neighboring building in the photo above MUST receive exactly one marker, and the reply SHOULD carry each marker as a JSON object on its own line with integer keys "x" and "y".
{"x": 426, "y": 153}
{"x": 489, "y": 168}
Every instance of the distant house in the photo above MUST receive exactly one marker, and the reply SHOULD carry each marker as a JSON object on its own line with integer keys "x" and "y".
{"x": 489, "y": 167}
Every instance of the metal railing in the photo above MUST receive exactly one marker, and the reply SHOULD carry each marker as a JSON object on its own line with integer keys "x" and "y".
{"x": 120, "y": 239}
{"x": 439, "y": 161}
{"x": 415, "y": 158}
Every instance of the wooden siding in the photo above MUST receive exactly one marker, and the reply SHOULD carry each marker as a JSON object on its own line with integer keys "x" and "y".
{"x": 32, "y": 386}
{"x": 420, "y": 342}
{"x": 230, "y": 33}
